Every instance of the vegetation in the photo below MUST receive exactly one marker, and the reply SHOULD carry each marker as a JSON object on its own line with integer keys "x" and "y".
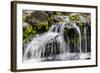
{"x": 74, "y": 18}
{"x": 40, "y": 22}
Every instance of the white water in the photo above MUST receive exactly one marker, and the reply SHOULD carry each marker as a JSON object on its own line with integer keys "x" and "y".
{"x": 79, "y": 32}
{"x": 85, "y": 39}
{"x": 69, "y": 26}
{"x": 37, "y": 48}
{"x": 34, "y": 47}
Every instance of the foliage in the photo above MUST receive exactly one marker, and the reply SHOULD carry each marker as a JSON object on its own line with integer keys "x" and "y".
{"x": 28, "y": 32}
{"x": 74, "y": 18}
{"x": 24, "y": 18}
{"x": 41, "y": 21}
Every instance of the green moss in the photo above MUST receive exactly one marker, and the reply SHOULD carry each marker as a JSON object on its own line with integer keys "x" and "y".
{"x": 74, "y": 18}
{"x": 24, "y": 18}
{"x": 28, "y": 32}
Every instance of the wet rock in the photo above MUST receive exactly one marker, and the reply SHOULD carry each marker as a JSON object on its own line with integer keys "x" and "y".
{"x": 36, "y": 17}
{"x": 39, "y": 15}
{"x": 58, "y": 18}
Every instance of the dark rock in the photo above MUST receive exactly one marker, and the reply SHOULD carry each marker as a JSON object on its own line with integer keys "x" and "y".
{"x": 40, "y": 15}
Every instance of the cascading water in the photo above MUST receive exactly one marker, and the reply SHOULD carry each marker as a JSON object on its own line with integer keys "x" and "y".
{"x": 85, "y": 39}
{"x": 37, "y": 45}
{"x": 75, "y": 27}
{"x": 52, "y": 43}
{"x": 59, "y": 28}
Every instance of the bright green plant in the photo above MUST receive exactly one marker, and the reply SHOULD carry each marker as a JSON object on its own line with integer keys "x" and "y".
{"x": 74, "y": 18}
{"x": 28, "y": 32}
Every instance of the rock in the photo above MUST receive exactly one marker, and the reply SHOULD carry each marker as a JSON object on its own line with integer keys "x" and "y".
{"x": 40, "y": 15}
{"x": 36, "y": 17}
{"x": 61, "y": 18}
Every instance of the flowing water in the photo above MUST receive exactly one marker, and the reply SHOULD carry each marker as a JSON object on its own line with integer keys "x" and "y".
{"x": 52, "y": 43}
{"x": 85, "y": 38}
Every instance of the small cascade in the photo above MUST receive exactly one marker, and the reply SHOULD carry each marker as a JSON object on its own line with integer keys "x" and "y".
{"x": 56, "y": 42}
{"x": 79, "y": 32}
{"x": 85, "y": 39}
{"x": 74, "y": 27}
{"x": 37, "y": 46}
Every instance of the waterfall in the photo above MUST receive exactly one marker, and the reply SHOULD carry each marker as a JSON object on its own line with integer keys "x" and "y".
{"x": 37, "y": 46}
{"x": 52, "y": 43}
{"x": 85, "y": 39}
{"x": 59, "y": 28}
{"x": 72, "y": 25}
{"x": 78, "y": 30}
